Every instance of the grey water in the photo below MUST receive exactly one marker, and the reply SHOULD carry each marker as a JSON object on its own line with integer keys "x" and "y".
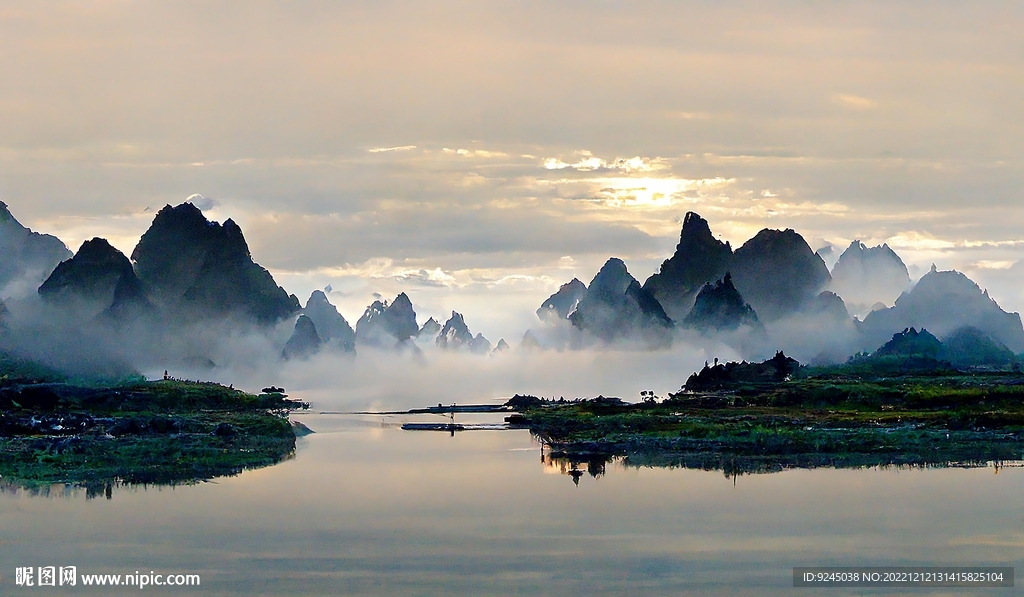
{"x": 365, "y": 508}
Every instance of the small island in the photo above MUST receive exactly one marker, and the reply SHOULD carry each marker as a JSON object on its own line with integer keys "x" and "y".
{"x": 894, "y": 407}
{"x": 133, "y": 431}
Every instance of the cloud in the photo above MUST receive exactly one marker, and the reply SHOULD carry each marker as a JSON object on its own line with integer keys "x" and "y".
{"x": 203, "y": 203}
{"x": 390, "y": 149}
{"x": 588, "y": 163}
{"x": 853, "y": 102}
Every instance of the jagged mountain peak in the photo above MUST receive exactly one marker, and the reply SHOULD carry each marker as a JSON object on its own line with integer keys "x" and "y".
{"x": 699, "y": 259}
{"x": 720, "y": 306}
{"x": 331, "y": 326}
{"x": 197, "y": 268}
{"x": 387, "y": 325}
{"x": 97, "y": 279}
{"x": 943, "y": 301}
{"x": 562, "y": 303}
{"x": 26, "y": 257}
{"x": 616, "y": 306}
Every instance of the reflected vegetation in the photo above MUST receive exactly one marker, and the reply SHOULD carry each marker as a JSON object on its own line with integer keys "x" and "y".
{"x": 746, "y": 418}
{"x": 577, "y": 465}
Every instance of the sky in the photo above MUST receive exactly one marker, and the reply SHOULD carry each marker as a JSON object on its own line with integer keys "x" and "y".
{"x": 477, "y": 155}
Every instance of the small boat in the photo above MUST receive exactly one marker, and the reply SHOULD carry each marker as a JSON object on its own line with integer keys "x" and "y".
{"x": 433, "y": 427}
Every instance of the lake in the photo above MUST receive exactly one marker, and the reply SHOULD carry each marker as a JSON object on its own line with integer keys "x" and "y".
{"x": 366, "y": 508}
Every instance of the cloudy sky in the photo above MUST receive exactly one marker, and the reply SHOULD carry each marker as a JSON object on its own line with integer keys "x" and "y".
{"x": 479, "y": 154}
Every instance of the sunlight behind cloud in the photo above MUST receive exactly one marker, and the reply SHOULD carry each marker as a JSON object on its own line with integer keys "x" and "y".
{"x": 853, "y": 102}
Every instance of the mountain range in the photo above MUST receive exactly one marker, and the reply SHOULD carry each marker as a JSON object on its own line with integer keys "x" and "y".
{"x": 189, "y": 271}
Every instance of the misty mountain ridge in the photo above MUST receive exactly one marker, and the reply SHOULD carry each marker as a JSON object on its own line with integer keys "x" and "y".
{"x": 387, "y": 325}
{"x": 560, "y": 305}
{"x": 699, "y": 259}
{"x": 776, "y": 271}
{"x": 189, "y": 270}
{"x": 943, "y": 301}
{"x": 615, "y": 306}
{"x": 304, "y": 341}
{"x": 455, "y": 335}
{"x": 27, "y": 257}
{"x": 97, "y": 280}
{"x": 330, "y": 326}
{"x": 865, "y": 276}
{"x": 720, "y": 306}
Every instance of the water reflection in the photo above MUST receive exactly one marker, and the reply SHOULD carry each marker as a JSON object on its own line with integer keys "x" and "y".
{"x": 577, "y": 464}
{"x": 368, "y": 509}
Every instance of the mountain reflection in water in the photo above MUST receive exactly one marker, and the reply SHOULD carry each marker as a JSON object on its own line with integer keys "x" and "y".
{"x": 367, "y": 509}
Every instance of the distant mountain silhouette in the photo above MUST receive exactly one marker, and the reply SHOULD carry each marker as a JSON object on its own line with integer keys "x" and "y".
{"x": 26, "y": 254}
{"x": 304, "y": 341}
{"x": 561, "y": 304}
{"x": 910, "y": 343}
{"x": 829, "y": 304}
{"x": 99, "y": 279}
{"x": 479, "y": 344}
{"x": 429, "y": 329}
{"x": 615, "y": 305}
{"x": 864, "y": 276}
{"x": 699, "y": 259}
{"x": 386, "y": 325}
{"x": 195, "y": 268}
{"x": 970, "y": 347}
{"x": 942, "y": 302}
{"x": 720, "y": 307}
{"x": 455, "y": 333}
{"x": 500, "y": 347}
{"x": 778, "y": 273}
{"x": 331, "y": 327}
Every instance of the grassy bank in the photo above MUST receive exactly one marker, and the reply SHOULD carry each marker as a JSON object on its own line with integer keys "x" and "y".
{"x": 147, "y": 432}
{"x": 816, "y": 417}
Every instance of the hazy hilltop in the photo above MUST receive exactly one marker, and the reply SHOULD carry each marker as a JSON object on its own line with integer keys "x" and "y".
{"x": 699, "y": 259}
{"x": 720, "y": 306}
{"x": 195, "y": 268}
{"x": 778, "y": 273}
{"x": 387, "y": 325}
{"x": 864, "y": 276}
{"x": 616, "y": 306}
{"x": 26, "y": 257}
{"x": 943, "y": 301}
{"x": 562, "y": 303}
{"x": 330, "y": 326}
{"x": 99, "y": 279}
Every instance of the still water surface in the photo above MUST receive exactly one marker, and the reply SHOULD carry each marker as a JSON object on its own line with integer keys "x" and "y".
{"x": 368, "y": 509}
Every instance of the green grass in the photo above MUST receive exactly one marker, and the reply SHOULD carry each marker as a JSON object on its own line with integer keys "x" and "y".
{"x": 824, "y": 416}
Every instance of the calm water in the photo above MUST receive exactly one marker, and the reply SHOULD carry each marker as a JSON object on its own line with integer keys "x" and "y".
{"x": 368, "y": 509}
